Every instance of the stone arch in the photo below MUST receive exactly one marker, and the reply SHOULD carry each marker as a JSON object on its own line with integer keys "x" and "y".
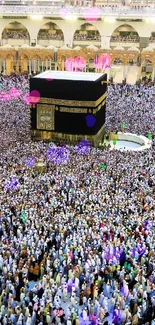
{"x": 35, "y": 56}
{"x": 132, "y": 60}
{"x": 18, "y": 32}
{"x": 87, "y": 33}
{"x": 117, "y": 60}
{"x": 9, "y": 56}
{"x": 152, "y": 37}
{"x": 118, "y": 25}
{"x": 23, "y": 56}
{"x": 147, "y": 67}
{"x": 147, "y": 61}
{"x": 124, "y": 33}
{"x": 47, "y": 57}
{"x": 50, "y": 33}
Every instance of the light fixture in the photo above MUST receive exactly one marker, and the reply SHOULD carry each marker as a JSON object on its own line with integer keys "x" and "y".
{"x": 150, "y": 20}
{"x": 36, "y": 17}
{"x": 70, "y": 16}
{"x": 110, "y": 20}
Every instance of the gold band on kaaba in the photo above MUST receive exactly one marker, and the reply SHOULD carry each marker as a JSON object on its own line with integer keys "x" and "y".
{"x": 72, "y": 103}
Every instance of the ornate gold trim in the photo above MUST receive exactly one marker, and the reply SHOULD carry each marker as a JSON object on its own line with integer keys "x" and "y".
{"x": 81, "y": 110}
{"x": 75, "y": 138}
{"x": 76, "y": 103}
{"x": 73, "y": 110}
{"x": 100, "y": 106}
{"x": 45, "y": 117}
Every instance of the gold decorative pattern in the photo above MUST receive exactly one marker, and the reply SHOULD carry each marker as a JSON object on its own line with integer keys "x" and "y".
{"x": 81, "y": 110}
{"x": 33, "y": 53}
{"x": 45, "y": 117}
{"x": 73, "y": 110}
{"x": 43, "y": 54}
{"x": 75, "y": 138}
{"x": 72, "y": 103}
{"x": 100, "y": 106}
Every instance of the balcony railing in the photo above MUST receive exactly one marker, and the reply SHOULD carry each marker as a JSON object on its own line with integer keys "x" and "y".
{"x": 119, "y": 11}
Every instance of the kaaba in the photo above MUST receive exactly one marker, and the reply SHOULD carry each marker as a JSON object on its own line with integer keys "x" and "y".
{"x": 67, "y": 101}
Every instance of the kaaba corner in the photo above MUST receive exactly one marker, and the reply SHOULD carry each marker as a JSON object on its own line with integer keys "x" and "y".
{"x": 67, "y": 100}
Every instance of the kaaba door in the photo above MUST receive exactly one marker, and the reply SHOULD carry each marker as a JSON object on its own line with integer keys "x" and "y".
{"x": 45, "y": 117}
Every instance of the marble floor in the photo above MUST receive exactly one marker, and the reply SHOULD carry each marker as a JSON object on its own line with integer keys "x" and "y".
{"x": 126, "y": 145}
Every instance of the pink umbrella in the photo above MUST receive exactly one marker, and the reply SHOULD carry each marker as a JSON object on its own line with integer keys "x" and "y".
{"x": 92, "y": 14}
{"x": 75, "y": 64}
{"x": 69, "y": 63}
{"x": 80, "y": 63}
{"x": 103, "y": 61}
{"x": 4, "y": 97}
{"x": 63, "y": 13}
{"x": 32, "y": 97}
{"x": 15, "y": 93}
{"x": 27, "y": 99}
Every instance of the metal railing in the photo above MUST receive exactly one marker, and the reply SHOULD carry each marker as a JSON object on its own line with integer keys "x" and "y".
{"x": 78, "y": 11}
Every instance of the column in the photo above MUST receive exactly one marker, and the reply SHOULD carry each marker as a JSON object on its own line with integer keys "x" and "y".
{"x": 17, "y": 66}
{"x": 24, "y": 65}
{"x": 139, "y": 73}
{"x": 8, "y": 67}
{"x": 124, "y": 72}
{"x": 153, "y": 72}
{"x": 0, "y": 66}
{"x": 30, "y": 67}
{"x": 42, "y": 66}
{"x": 34, "y": 69}
{"x": 3, "y": 67}
{"x": 50, "y": 65}
{"x": 105, "y": 42}
{"x": 46, "y": 65}
{"x": 38, "y": 66}
{"x": 110, "y": 72}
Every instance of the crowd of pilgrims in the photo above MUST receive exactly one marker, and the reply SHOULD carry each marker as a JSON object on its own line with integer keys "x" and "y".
{"x": 16, "y": 34}
{"x": 85, "y": 254}
{"x": 126, "y": 38}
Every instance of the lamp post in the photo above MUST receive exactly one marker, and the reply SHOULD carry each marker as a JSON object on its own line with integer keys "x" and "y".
{"x": 149, "y": 135}
{"x": 123, "y": 126}
{"x": 114, "y": 143}
{"x": 29, "y": 67}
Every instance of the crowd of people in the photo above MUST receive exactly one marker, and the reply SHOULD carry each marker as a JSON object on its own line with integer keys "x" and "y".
{"x": 50, "y": 36}
{"x": 127, "y": 38}
{"x": 84, "y": 254}
{"x": 78, "y": 7}
{"x": 15, "y": 34}
{"x": 152, "y": 38}
{"x": 87, "y": 36}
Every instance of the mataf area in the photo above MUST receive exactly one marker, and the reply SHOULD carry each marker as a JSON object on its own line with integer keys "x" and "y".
{"x": 77, "y": 237}
{"x": 77, "y": 162}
